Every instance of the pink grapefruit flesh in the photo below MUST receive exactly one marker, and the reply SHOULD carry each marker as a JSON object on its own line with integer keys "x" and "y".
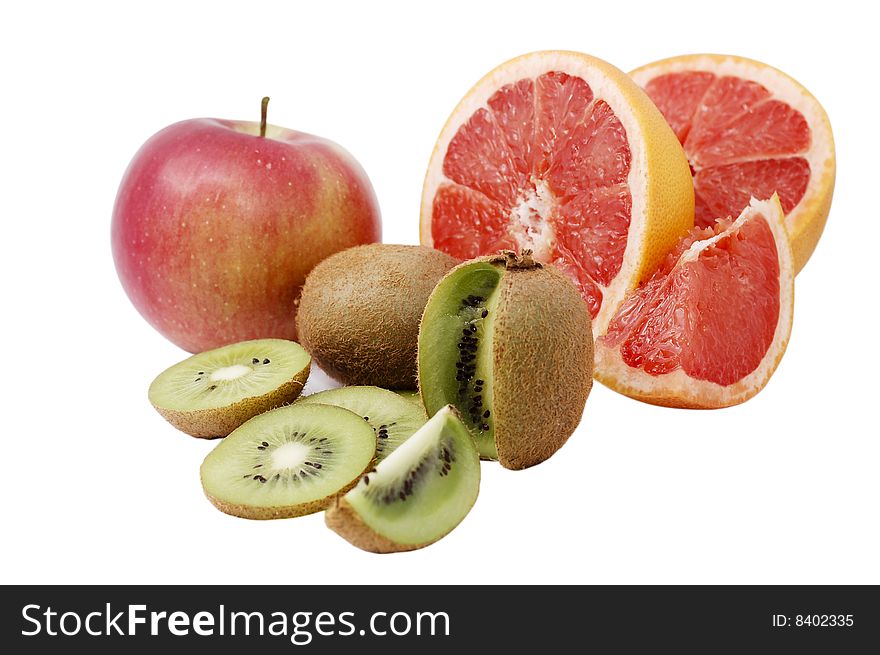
{"x": 740, "y": 142}
{"x": 715, "y": 312}
{"x": 542, "y": 150}
{"x": 678, "y": 319}
{"x": 564, "y": 155}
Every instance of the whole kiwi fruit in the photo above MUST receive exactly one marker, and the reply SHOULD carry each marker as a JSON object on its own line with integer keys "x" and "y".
{"x": 508, "y": 342}
{"x": 359, "y": 312}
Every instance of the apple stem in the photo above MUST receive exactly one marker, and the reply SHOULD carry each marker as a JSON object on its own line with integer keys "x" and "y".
{"x": 264, "y": 109}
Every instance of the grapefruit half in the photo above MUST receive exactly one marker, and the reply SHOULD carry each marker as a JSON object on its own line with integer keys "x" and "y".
{"x": 562, "y": 154}
{"x": 709, "y": 327}
{"x": 748, "y": 130}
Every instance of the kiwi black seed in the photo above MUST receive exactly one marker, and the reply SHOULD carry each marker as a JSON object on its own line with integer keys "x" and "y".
{"x": 288, "y": 462}
{"x": 393, "y": 419}
{"x": 210, "y": 394}
{"x": 416, "y": 495}
{"x": 359, "y": 312}
{"x": 508, "y": 341}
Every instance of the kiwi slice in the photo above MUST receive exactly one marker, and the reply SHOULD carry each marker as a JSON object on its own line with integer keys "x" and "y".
{"x": 412, "y": 396}
{"x": 393, "y": 418}
{"x": 210, "y": 394}
{"x": 417, "y": 494}
{"x": 508, "y": 341}
{"x": 288, "y": 462}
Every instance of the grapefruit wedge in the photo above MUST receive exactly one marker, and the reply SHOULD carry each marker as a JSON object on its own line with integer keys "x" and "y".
{"x": 562, "y": 154}
{"x": 709, "y": 327}
{"x": 748, "y": 130}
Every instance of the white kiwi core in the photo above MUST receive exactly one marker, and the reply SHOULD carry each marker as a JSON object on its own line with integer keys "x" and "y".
{"x": 291, "y": 455}
{"x": 230, "y": 372}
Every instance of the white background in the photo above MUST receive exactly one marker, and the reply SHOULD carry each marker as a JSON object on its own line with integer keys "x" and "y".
{"x": 97, "y": 488}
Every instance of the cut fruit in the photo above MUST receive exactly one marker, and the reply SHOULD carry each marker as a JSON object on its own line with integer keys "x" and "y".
{"x": 507, "y": 341}
{"x": 393, "y": 419}
{"x": 709, "y": 328}
{"x": 748, "y": 130}
{"x": 562, "y": 154}
{"x": 210, "y": 394}
{"x": 416, "y": 495}
{"x": 412, "y": 396}
{"x": 288, "y": 462}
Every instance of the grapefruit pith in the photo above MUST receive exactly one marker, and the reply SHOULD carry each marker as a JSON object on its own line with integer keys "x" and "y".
{"x": 748, "y": 130}
{"x": 709, "y": 327}
{"x": 562, "y": 154}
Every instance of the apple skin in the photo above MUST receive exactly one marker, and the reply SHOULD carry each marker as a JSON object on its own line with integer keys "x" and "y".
{"x": 215, "y": 227}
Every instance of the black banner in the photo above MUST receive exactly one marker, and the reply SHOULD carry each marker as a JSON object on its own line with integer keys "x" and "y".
{"x": 420, "y": 619}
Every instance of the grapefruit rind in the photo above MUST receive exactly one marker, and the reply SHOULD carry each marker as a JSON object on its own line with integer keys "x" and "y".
{"x": 806, "y": 221}
{"x": 677, "y": 389}
{"x": 659, "y": 178}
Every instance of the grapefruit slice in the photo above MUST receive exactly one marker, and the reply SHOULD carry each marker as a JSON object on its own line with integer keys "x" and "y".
{"x": 562, "y": 154}
{"x": 709, "y": 327}
{"x": 748, "y": 130}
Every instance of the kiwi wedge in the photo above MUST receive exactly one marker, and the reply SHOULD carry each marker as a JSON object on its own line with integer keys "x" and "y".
{"x": 288, "y": 462}
{"x": 210, "y": 394}
{"x": 508, "y": 341}
{"x": 392, "y": 418}
{"x": 417, "y": 494}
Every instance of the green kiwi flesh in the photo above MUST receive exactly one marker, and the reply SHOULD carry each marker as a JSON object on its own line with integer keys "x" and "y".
{"x": 288, "y": 462}
{"x": 509, "y": 342}
{"x": 210, "y": 394}
{"x": 456, "y": 352}
{"x": 393, "y": 419}
{"x": 416, "y": 495}
{"x": 413, "y": 396}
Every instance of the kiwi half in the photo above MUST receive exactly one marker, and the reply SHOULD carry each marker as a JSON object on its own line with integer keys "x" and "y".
{"x": 288, "y": 462}
{"x": 392, "y": 418}
{"x": 210, "y": 394}
{"x": 417, "y": 495}
{"x": 359, "y": 312}
{"x": 508, "y": 342}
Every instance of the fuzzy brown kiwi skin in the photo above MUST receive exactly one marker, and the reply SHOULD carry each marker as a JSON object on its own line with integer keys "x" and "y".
{"x": 282, "y": 512}
{"x": 542, "y": 361}
{"x": 218, "y": 422}
{"x": 344, "y": 521}
{"x": 359, "y": 312}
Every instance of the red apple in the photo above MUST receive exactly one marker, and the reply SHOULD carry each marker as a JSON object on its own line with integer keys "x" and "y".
{"x": 217, "y": 223}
